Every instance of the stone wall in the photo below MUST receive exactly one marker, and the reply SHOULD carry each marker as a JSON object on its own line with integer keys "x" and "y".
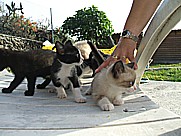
{"x": 18, "y": 43}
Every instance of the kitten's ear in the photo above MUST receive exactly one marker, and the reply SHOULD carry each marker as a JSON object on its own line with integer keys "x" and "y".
{"x": 117, "y": 69}
{"x": 59, "y": 47}
{"x": 130, "y": 65}
{"x": 68, "y": 46}
{"x": 68, "y": 43}
{"x": 96, "y": 53}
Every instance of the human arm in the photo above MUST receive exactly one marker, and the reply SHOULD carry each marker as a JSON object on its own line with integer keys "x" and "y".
{"x": 140, "y": 14}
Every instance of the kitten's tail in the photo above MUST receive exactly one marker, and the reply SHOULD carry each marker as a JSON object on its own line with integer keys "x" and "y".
{"x": 96, "y": 53}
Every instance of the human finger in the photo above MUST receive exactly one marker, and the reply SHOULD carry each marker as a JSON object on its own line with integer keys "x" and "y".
{"x": 107, "y": 62}
{"x": 135, "y": 64}
{"x": 131, "y": 58}
{"x": 103, "y": 65}
{"x": 124, "y": 59}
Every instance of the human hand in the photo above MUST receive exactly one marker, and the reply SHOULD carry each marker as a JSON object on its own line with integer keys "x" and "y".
{"x": 124, "y": 51}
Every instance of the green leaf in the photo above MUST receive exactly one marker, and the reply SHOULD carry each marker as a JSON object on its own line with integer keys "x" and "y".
{"x": 89, "y": 23}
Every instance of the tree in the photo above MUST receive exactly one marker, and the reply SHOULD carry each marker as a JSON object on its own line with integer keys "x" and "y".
{"x": 14, "y": 23}
{"x": 89, "y": 24}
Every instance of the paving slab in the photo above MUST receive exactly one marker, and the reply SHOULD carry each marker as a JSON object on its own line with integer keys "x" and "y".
{"x": 166, "y": 94}
{"x": 46, "y": 115}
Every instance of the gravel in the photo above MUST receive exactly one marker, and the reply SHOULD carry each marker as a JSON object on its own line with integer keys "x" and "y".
{"x": 165, "y": 94}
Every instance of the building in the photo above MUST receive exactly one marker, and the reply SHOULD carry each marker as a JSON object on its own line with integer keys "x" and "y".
{"x": 168, "y": 52}
{"x": 170, "y": 49}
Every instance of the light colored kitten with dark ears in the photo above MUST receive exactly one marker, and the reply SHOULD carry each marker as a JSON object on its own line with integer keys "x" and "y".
{"x": 108, "y": 85}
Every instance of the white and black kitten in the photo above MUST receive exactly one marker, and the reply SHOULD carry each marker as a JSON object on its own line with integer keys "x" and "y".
{"x": 66, "y": 70}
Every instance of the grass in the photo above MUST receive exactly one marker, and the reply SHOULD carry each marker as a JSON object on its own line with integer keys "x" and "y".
{"x": 164, "y": 72}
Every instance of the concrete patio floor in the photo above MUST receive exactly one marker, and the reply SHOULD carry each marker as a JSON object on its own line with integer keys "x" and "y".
{"x": 46, "y": 115}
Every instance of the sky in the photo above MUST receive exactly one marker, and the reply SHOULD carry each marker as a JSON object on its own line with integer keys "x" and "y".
{"x": 116, "y": 10}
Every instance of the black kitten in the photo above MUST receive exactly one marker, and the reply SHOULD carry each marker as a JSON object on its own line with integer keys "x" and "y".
{"x": 30, "y": 64}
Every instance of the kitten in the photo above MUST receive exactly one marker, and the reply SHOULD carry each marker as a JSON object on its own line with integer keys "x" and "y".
{"x": 96, "y": 57}
{"x": 84, "y": 48}
{"x": 88, "y": 54}
{"x": 27, "y": 64}
{"x": 65, "y": 73}
{"x": 108, "y": 85}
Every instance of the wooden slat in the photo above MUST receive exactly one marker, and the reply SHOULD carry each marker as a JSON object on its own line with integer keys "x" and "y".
{"x": 170, "y": 49}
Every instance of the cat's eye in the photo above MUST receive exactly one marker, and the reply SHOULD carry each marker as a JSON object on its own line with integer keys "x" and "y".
{"x": 131, "y": 83}
{"x": 77, "y": 55}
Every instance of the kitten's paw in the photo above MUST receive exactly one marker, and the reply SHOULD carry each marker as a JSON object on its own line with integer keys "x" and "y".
{"x": 52, "y": 90}
{"x": 40, "y": 86}
{"x": 62, "y": 95}
{"x": 105, "y": 104}
{"x": 78, "y": 96}
{"x": 80, "y": 99}
{"x": 131, "y": 90}
{"x": 28, "y": 93}
{"x": 118, "y": 102}
{"x": 6, "y": 90}
{"x": 107, "y": 107}
{"x": 88, "y": 91}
